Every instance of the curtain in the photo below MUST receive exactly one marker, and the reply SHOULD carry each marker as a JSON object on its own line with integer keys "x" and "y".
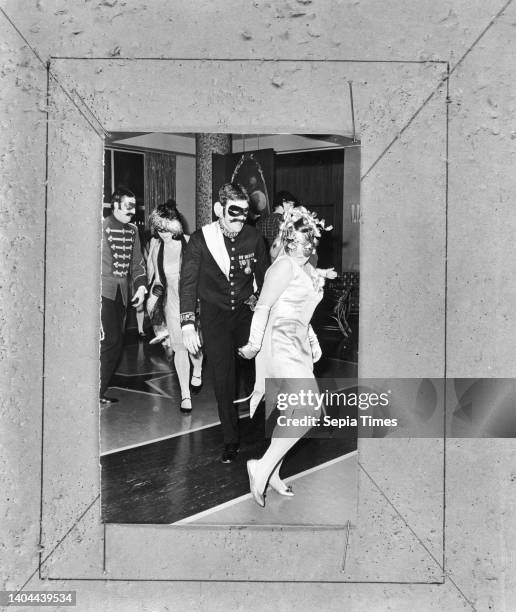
{"x": 160, "y": 179}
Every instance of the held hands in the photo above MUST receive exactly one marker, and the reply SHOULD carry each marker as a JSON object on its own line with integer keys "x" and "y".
{"x": 247, "y": 351}
{"x": 138, "y": 297}
{"x": 191, "y": 339}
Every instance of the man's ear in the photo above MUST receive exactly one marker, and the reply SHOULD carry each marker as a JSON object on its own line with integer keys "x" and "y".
{"x": 218, "y": 209}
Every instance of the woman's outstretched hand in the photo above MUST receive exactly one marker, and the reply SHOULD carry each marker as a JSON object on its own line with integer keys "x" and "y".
{"x": 247, "y": 351}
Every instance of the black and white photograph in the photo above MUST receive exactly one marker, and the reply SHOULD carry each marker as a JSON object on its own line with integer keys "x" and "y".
{"x": 195, "y": 321}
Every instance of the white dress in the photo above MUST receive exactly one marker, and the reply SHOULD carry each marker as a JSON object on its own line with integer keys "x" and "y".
{"x": 286, "y": 351}
{"x": 171, "y": 267}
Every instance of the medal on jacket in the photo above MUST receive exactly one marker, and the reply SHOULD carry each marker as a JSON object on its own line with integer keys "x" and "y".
{"x": 245, "y": 263}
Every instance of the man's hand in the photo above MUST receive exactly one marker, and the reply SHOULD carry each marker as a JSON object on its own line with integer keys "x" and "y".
{"x": 247, "y": 351}
{"x": 191, "y": 339}
{"x": 251, "y": 301}
{"x": 138, "y": 297}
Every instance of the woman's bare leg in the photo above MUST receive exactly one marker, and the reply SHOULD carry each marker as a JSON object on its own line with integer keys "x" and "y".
{"x": 197, "y": 364}
{"x": 273, "y": 457}
{"x": 140, "y": 316}
{"x": 275, "y": 479}
{"x": 182, "y": 365}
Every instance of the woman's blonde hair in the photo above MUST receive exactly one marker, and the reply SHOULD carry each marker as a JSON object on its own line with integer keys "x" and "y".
{"x": 301, "y": 220}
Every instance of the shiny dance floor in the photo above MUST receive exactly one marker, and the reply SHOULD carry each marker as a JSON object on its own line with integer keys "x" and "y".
{"x": 160, "y": 466}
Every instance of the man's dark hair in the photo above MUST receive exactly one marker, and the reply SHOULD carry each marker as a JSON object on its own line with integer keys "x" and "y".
{"x": 232, "y": 191}
{"x": 119, "y": 193}
{"x": 168, "y": 210}
{"x": 285, "y": 196}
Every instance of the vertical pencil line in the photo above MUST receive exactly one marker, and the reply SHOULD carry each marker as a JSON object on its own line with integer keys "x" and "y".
{"x": 45, "y": 224}
{"x": 350, "y": 83}
{"x": 447, "y": 170}
{"x": 104, "y": 550}
{"x": 346, "y": 544}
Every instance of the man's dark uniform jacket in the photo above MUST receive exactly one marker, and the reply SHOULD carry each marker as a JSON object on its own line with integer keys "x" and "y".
{"x": 202, "y": 278}
{"x": 122, "y": 260}
{"x": 221, "y": 273}
{"x": 122, "y": 267}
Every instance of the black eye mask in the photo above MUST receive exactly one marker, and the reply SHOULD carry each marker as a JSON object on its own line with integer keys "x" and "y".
{"x": 236, "y": 211}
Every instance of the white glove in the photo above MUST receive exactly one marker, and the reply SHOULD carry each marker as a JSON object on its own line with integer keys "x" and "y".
{"x": 314, "y": 345}
{"x": 327, "y": 273}
{"x": 247, "y": 351}
{"x": 258, "y": 325}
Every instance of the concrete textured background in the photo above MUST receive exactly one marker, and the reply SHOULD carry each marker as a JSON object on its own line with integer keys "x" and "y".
{"x": 405, "y": 285}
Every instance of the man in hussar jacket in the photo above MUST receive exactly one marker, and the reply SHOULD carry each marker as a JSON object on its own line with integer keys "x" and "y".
{"x": 123, "y": 271}
{"x": 223, "y": 267}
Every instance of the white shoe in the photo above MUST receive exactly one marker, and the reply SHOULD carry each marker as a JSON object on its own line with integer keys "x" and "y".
{"x": 186, "y": 405}
{"x": 159, "y": 338}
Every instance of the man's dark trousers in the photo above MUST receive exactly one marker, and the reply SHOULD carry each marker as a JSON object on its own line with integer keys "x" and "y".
{"x": 112, "y": 315}
{"x": 223, "y": 332}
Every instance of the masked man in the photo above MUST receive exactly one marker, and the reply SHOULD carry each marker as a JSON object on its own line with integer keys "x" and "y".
{"x": 223, "y": 266}
{"x": 122, "y": 266}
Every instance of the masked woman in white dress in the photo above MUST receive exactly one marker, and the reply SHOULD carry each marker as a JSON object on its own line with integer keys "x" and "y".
{"x": 163, "y": 267}
{"x": 283, "y": 340}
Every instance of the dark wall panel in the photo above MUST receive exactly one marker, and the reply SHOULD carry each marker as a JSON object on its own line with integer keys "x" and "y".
{"x": 316, "y": 178}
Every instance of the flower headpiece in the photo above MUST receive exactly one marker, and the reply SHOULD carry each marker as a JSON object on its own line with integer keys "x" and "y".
{"x": 299, "y": 219}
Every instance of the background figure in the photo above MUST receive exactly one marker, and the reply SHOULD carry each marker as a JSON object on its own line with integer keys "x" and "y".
{"x": 163, "y": 267}
{"x": 222, "y": 262}
{"x": 122, "y": 264}
{"x": 283, "y": 339}
{"x": 257, "y": 200}
{"x": 269, "y": 225}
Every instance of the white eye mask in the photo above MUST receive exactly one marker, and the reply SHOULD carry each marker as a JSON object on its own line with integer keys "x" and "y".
{"x": 124, "y": 211}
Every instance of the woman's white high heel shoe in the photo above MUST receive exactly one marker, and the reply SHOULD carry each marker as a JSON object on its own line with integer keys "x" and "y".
{"x": 259, "y": 497}
{"x": 281, "y": 487}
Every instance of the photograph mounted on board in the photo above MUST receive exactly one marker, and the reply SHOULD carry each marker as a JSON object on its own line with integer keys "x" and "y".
{"x": 227, "y": 260}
